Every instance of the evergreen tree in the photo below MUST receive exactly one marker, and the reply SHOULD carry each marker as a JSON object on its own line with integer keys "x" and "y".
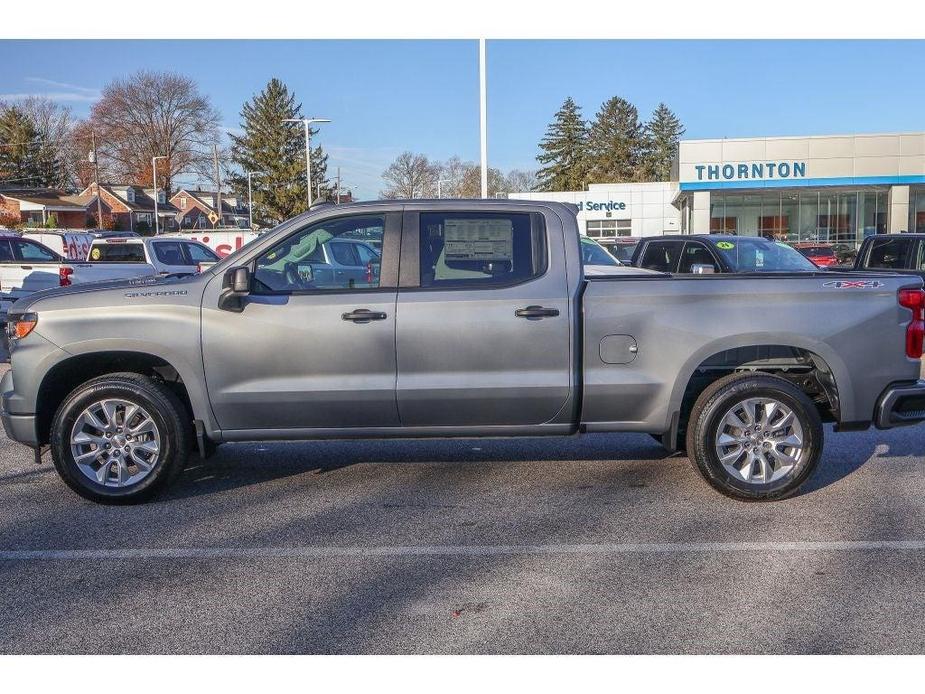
{"x": 616, "y": 142}
{"x": 563, "y": 158}
{"x": 662, "y": 134}
{"x": 277, "y": 151}
{"x": 21, "y": 160}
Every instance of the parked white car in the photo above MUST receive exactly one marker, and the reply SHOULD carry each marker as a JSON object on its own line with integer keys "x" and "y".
{"x": 160, "y": 255}
{"x": 72, "y": 245}
{"x": 27, "y": 266}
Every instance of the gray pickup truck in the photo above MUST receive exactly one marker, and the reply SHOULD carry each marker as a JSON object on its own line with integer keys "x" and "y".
{"x": 478, "y": 321}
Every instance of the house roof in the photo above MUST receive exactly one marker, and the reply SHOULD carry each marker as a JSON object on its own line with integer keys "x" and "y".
{"x": 207, "y": 199}
{"x": 144, "y": 198}
{"x": 49, "y": 197}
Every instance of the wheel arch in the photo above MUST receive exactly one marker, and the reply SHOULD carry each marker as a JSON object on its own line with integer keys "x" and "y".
{"x": 800, "y": 360}
{"x": 82, "y": 365}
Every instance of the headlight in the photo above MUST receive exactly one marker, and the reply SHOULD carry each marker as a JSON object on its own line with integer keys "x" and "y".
{"x": 18, "y": 325}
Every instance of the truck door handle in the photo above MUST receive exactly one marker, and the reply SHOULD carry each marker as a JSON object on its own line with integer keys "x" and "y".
{"x": 363, "y": 315}
{"x": 25, "y": 267}
{"x": 536, "y": 312}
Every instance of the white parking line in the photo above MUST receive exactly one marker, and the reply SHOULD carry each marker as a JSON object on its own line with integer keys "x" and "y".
{"x": 452, "y": 550}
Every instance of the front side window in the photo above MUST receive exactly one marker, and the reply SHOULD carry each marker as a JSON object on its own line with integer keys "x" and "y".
{"x": 889, "y": 254}
{"x": 696, "y": 254}
{"x": 311, "y": 258}
{"x": 462, "y": 249}
{"x": 200, "y": 254}
{"x": 34, "y": 253}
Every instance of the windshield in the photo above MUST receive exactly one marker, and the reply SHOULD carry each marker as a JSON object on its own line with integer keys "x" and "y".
{"x": 592, "y": 253}
{"x": 752, "y": 254}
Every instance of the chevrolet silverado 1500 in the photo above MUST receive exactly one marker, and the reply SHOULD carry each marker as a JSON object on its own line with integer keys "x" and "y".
{"x": 477, "y": 321}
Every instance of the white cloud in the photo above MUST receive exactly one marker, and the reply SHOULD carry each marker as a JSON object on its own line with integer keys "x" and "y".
{"x": 63, "y": 91}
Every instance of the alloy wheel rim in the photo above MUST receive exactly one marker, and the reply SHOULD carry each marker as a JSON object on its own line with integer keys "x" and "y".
{"x": 115, "y": 442}
{"x": 759, "y": 441}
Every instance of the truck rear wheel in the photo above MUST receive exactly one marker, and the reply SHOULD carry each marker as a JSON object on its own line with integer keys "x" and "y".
{"x": 120, "y": 438}
{"x": 754, "y": 437}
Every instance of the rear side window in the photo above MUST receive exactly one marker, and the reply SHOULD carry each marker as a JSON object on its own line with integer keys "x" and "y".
{"x": 661, "y": 256}
{"x": 29, "y": 252}
{"x": 6, "y": 252}
{"x": 889, "y": 254}
{"x": 118, "y": 253}
{"x": 464, "y": 249}
{"x": 169, "y": 253}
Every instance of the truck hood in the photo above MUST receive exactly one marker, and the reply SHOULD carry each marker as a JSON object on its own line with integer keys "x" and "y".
{"x": 140, "y": 283}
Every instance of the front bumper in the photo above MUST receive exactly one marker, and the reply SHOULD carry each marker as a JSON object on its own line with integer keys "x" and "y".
{"x": 901, "y": 404}
{"x": 19, "y": 427}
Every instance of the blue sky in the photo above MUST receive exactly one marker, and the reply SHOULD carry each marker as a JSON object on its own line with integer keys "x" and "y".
{"x": 388, "y": 96}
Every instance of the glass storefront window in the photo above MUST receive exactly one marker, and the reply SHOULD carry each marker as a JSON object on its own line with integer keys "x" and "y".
{"x": 917, "y": 210}
{"x": 840, "y": 217}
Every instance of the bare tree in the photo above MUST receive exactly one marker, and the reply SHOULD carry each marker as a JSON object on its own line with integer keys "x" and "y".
{"x": 411, "y": 176}
{"x": 152, "y": 114}
{"x": 519, "y": 181}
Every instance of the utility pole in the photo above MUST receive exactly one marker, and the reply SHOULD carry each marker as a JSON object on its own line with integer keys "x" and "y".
{"x": 96, "y": 175}
{"x": 218, "y": 187}
{"x": 250, "y": 196}
{"x": 337, "y": 198}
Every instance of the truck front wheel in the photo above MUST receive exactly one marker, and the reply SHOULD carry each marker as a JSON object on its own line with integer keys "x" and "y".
{"x": 120, "y": 438}
{"x": 754, "y": 437}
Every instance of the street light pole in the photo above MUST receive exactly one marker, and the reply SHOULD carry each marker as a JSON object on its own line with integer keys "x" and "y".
{"x": 441, "y": 181}
{"x": 483, "y": 118}
{"x": 250, "y": 203}
{"x": 157, "y": 225}
{"x": 307, "y": 122}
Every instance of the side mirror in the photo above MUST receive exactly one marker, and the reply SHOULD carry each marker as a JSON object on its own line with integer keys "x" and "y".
{"x": 236, "y": 284}
{"x": 702, "y": 269}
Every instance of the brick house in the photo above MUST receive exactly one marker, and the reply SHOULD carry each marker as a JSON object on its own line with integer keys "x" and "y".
{"x": 35, "y": 206}
{"x": 195, "y": 206}
{"x": 133, "y": 205}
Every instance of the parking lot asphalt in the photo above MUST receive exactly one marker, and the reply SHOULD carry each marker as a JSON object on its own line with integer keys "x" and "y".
{"x": 598, "y": 544}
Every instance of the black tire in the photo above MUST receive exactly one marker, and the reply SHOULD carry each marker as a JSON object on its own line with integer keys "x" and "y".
{"x": 707, "y": 417}
{"x": 167, "y": 413}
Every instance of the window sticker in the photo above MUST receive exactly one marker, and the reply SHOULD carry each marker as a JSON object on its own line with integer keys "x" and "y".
{"x": 725, "y": 245}
{"x": 759, "y": 259}
{"x": 479, "y": 239}
{"x": 95, "y": 254}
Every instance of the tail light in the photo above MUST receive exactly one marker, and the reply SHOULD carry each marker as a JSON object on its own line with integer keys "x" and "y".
{"x": 64, "y": 276}
{"x": 914, "y": 300}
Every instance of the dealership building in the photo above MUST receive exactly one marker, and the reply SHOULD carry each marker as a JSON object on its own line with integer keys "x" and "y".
{"x": 837, "y": 189}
